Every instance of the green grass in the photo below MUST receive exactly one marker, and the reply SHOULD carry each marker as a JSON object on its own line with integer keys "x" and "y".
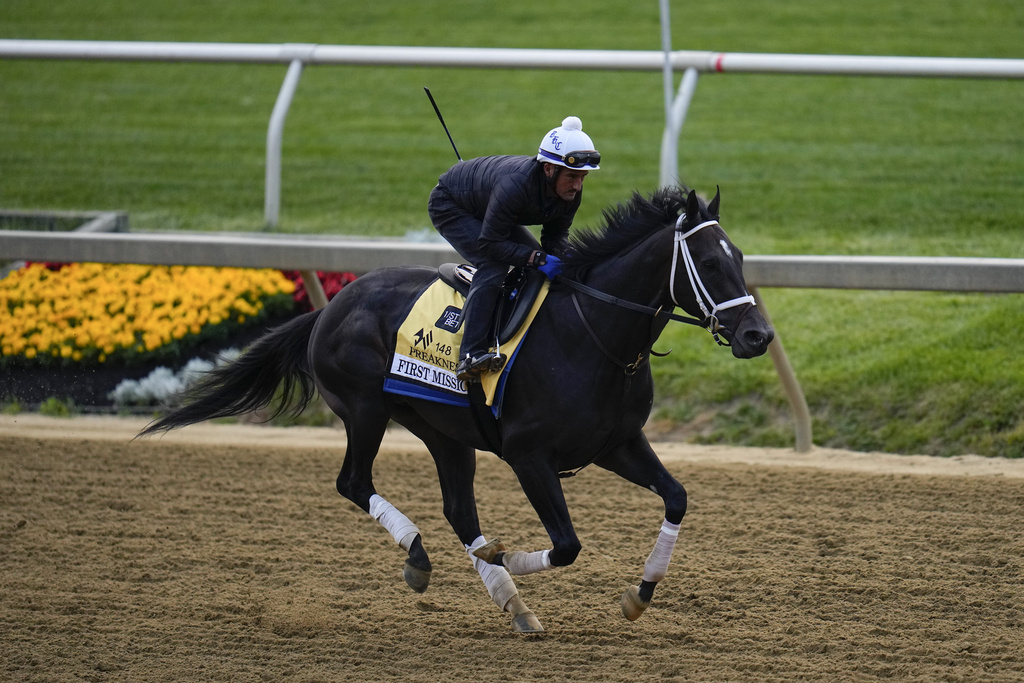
{"x": 892, "y": 371}
{"x": 806, "y": 165}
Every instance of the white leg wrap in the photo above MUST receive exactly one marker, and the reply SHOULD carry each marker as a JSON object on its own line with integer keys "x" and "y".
{"x": 500, "y": 585}
{"x": 519, "y": 562}
{"x": 657, "y": 561}
{"x": 401, "y": 528}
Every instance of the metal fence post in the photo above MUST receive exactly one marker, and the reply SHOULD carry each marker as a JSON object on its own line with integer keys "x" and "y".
{"x": 275, "y": 133}
{"x": 674, "y": 127}
{"x": 795, "y": 394}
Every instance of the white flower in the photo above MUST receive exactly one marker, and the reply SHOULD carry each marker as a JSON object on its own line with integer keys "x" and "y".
{"x": 159, "y": 386}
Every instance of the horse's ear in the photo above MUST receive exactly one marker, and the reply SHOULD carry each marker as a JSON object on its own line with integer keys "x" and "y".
{"x": 692, "y": 206}
{"x": 713, "y": 206}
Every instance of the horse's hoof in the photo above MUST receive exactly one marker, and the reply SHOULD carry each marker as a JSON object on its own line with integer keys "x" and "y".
{"x": 632, "y": 605}
{"x": 488, "y": 550}
{"x": 526, "y": 622}
{"x": 417, "y": 579}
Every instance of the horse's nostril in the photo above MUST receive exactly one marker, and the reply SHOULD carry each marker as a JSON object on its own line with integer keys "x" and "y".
{"x": 757, "y": 339}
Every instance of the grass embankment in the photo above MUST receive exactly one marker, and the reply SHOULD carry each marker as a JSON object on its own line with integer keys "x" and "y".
{"x": 806, "y": 165}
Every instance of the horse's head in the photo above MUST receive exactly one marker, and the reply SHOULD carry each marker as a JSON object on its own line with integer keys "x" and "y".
{"x": 707, "y": 280}
{"x": 705, "y": 270}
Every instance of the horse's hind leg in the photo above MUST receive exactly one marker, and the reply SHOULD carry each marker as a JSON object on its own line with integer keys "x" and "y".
{"x": 365, "y": 428}
{"x": 456, "y": 469}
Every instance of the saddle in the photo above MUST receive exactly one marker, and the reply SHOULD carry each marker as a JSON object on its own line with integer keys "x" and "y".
{"x": 518, "y": 292}
{"x": 425, "y": 354}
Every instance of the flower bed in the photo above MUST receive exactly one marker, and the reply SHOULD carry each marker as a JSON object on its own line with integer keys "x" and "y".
{"x": 76, "y": 330}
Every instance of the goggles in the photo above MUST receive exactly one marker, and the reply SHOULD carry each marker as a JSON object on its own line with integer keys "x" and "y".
{"x": 576, "y": 159}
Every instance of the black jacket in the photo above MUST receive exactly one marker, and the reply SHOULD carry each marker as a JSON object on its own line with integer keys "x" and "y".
{"x": 505, "y": 191}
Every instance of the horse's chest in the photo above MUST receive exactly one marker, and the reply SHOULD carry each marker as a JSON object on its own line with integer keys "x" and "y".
{"x": 615, "y": 410}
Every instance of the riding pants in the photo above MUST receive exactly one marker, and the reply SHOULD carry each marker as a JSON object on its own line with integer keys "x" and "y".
{"x": 462, "y": 230}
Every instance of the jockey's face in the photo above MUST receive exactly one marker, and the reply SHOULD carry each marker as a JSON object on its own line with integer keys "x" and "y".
{"x": 568, "y": 182}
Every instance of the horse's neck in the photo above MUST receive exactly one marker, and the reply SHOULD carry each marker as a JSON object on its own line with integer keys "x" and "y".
{"x": 641, "y": 274}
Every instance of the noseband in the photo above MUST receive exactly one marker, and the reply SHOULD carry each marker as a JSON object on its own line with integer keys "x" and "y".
{"x": 700, "y": 292}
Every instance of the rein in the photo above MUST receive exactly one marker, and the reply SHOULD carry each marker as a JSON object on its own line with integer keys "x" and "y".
{"x": 622, "y": 303}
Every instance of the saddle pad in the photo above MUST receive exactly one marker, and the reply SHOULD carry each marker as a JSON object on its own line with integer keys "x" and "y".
{"x": 427, "y": 349}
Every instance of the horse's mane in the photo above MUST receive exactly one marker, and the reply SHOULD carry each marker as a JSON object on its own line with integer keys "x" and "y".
{"x": 626, "y": 224}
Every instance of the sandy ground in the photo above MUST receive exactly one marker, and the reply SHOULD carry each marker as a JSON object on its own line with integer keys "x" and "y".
{"x": 222, "y": 552}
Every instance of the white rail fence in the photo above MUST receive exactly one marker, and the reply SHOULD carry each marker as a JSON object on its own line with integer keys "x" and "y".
{"x": 338, "y": 254}
{"x": 308, "y": 253}
{"x": 691, "y": 62}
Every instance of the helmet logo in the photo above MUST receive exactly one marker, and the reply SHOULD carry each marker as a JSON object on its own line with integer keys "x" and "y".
{"x": 555, "y": 142}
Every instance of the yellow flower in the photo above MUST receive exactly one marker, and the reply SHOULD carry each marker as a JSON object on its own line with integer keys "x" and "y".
{"x": 94, "y": 310}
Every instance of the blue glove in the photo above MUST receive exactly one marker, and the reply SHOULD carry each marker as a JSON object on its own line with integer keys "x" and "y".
{"x": 551, "y": 267}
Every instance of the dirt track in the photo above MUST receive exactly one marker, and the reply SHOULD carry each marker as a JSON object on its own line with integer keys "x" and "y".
{"x": 224, "y": 553}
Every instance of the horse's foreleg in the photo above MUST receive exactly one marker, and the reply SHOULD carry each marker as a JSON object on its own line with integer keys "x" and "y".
{"x": 517, "y": 562}
{"x": 543, "y": 489}
{"x": 636, "y": 599}
{"x": 503, "y": 591}
{"x": 636, "y": 461}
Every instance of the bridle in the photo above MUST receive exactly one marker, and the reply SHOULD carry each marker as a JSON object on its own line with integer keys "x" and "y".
{"x": 700, "y": 292}
{"x": 704, "y": 300}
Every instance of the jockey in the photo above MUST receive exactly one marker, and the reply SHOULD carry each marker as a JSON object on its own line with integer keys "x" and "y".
{"x": 482, "y": 207}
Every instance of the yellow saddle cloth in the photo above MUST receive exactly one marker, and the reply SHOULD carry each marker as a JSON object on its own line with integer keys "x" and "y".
{"x": 427, "y": 349}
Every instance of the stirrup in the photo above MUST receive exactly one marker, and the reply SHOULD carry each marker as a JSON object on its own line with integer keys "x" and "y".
{"x": 471, "y": 367}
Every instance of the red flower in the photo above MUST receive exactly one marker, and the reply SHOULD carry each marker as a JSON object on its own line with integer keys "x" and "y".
{"x": 49, "y": 265}
{"x": 331, "y": 282}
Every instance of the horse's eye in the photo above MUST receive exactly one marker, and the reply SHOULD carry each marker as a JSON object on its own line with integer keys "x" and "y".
{"x": 709, "y": 264}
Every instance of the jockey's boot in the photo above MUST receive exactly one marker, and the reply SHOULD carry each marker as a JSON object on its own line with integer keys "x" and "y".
{"x": 475, "y": 356}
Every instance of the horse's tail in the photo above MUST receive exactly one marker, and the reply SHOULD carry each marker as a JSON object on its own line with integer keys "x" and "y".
{"x": 250, "y": 382}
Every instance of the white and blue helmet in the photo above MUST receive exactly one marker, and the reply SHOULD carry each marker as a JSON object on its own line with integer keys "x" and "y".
{"x": 570, "y": 147}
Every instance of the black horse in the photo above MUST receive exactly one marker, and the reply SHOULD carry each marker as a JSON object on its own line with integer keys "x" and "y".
{"x": 579, "y": 394}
